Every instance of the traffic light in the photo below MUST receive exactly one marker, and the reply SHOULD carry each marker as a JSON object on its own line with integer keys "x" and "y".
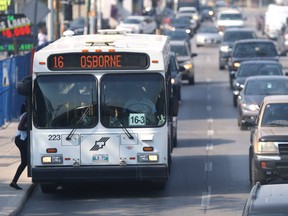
{"x": 67, "y": 11}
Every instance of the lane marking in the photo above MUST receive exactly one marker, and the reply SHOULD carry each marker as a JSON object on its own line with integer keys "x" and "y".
{"x": 205, "y": 201}
{"x": 208, "y": 166}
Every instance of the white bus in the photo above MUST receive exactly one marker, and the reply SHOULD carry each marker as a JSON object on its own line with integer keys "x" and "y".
{"x": 101, "y": 109}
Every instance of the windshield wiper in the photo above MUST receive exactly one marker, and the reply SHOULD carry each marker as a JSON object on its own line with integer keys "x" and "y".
{"x": 79, "y": 121}
{"x": 129, "y": 135}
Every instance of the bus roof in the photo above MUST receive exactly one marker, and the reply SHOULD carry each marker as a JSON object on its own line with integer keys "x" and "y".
{"x": 155, "y": 46}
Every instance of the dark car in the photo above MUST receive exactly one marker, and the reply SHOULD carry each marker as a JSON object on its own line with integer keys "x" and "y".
{"x": 231, "y": 35}
{"x": 207, "y": 13}
{"x": 184, "y": 59}
{"x": 176, "y": 81}
{"x": 176, "y": 76}
{"x": 178, "y": 34}
{"x": 254, "y": 90}
{"x": 250, "y": 49}
{"x": 183, "y": 22}
{"x": 253, "y": 68}
{"x": 267, "y": 200}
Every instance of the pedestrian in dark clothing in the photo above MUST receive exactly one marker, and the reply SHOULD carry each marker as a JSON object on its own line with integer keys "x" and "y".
{"x": 21, "y": 143}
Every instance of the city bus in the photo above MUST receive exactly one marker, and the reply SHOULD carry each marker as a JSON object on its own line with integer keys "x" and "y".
{"x": 101, "y": 109}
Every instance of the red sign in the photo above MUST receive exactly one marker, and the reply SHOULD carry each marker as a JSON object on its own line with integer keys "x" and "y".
{"x": 17, "y": 25}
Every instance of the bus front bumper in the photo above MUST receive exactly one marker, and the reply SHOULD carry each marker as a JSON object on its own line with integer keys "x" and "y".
{"x": 100, "y": 173}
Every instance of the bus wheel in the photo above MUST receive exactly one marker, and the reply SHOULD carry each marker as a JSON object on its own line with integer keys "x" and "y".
{"x": 48, "y": 188}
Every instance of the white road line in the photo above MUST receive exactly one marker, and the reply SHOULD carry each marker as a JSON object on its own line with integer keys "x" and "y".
{"x": 208, "y": 166}
{"x": 205, "y": 202}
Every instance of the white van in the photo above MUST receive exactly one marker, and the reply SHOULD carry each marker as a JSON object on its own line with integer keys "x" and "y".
{"x": 275, "y": 19}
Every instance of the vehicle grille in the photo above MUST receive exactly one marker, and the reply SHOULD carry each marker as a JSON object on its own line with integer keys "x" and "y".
{"x": 283, "y": 149}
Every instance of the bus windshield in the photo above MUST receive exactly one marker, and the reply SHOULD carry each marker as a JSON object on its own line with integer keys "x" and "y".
{"x": 62, "y": 101}
{"x": 132, "y": 100}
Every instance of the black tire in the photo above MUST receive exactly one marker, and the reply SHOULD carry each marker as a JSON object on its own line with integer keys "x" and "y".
{"x": 191, "y": 81}
{"x": 48, "y": 188}
{"x": 221, "y": 67}
{"x": 234, "y": 101}
{"x": 256, "y": 175}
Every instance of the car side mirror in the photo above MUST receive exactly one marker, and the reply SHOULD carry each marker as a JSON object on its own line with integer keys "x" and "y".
{"x": 194, "y": 55}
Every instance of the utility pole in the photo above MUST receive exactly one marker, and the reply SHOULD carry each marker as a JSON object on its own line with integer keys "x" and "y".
{"x": 50, "y": 21}
{"x": 57, "y": 21}
{"x": 99, "y": 14}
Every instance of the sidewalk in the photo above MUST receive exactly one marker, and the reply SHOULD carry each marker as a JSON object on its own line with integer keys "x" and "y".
{"x": 11, "y": 200}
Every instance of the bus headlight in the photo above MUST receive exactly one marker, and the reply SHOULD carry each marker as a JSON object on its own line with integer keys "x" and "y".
{"x": 144, "y": 157}
{"x": 56, "y": 159}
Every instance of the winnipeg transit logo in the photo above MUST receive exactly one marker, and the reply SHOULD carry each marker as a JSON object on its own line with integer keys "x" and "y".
{"x": 99, "y": 144}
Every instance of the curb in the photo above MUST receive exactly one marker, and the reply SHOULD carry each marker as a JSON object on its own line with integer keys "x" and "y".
{"x": 24, "y": 199}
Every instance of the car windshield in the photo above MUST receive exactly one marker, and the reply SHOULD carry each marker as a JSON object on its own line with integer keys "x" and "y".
{"x": 179, "y": 50}
{"x": 132, "y": 21}
{"x": 255, "y": 49}
{"x": 275, "y": 115}
{"x": 181, "y": 20}
{"x": 231, "y": 16}
{"x": 266, "y": 87}
{"x": 207, "y": 29}
{"x": 231, "y": 36}
{"x": 247, "y": 70}
{"x": 176, "y": 34}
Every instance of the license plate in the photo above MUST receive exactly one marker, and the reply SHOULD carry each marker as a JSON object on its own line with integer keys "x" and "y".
{"x": 100, "y": 158}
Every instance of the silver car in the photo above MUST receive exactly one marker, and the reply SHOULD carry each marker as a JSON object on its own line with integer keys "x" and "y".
{"x": 207, "y": 35}
{"x": 255, "y": 89}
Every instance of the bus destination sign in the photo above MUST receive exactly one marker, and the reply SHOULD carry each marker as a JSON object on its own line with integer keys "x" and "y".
{"x": 98, "y": 61}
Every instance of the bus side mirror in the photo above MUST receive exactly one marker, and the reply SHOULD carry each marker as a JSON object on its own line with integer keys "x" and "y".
{"x": 24, "y": 86}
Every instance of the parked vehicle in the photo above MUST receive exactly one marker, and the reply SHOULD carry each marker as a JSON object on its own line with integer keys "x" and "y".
{"x": 268, "y": 155}
{"x": 254, "y": 90}
{"x": 264, "y": 200}
{"x": 185, "y": 59}
{"x": 231, "y": 35}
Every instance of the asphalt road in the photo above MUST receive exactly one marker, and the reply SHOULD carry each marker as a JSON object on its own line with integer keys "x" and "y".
{"x": 210, "y": 165}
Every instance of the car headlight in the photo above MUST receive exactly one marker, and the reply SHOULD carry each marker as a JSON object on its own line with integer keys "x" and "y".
{"x": 250, "y": 107}
{"x": 236, "y": 64}
{"x": 188, "y": 31}
{"x": 211, "y": 13}
{"x": 173, "y": 81}
{"x": 224, "y": 48}
{"x": 188, "y": 66}
{"x": 266, "y": 148}
{"x": 195, "y": 17}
